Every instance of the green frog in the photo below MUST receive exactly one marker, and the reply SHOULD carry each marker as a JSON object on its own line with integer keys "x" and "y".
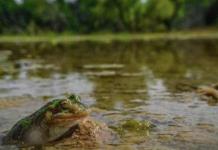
{"x": 49, "y": 123}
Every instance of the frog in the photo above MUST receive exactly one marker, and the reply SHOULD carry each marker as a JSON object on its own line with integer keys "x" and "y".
{"x": 49, "y": 123}
{"x": 205, "y": 91}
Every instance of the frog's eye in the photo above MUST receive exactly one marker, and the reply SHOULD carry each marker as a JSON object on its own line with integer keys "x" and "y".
{"x": 65, "y": 103}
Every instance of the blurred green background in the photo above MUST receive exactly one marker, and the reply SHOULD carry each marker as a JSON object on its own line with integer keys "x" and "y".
{"x": 93, "y": 16}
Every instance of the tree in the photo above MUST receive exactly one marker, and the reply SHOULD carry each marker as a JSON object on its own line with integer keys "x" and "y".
{"x": 160, "y": 13}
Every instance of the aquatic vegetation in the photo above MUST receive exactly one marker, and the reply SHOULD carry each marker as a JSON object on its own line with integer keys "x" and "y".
{"x": 136, "y": 126}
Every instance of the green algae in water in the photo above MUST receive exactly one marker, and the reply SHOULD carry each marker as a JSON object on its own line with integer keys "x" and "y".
{"x": 135, "y": 126}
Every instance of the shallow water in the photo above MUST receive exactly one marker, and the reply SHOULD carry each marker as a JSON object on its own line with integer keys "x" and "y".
{"x": 119, "y": 81}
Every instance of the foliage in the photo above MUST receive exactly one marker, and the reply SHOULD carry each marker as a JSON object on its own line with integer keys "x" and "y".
{"x": 85, "y": 16}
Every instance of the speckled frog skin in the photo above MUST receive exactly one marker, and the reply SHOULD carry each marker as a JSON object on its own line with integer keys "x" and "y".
{"x": 48, "y": 123}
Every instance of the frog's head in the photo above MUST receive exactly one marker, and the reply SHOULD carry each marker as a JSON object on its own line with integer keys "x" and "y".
{"x": 64, "y": 111}
{"x": 60, "y": 115}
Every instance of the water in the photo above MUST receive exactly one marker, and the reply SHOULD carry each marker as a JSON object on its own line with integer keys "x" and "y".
{"x": 119, "y": 81}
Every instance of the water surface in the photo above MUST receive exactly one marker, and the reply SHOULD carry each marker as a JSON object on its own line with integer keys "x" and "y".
{"x": 119, "y": 81}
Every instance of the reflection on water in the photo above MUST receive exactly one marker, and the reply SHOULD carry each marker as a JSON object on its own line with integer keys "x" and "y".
{"x": 56, "y": 85}
{"x": 119, "y": 81}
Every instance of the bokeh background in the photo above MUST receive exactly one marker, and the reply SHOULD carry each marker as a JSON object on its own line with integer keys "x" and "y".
{"x": 91, "y": 16}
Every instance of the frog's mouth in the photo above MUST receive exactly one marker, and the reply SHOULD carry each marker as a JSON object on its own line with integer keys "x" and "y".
{"x": 62, "y": 118}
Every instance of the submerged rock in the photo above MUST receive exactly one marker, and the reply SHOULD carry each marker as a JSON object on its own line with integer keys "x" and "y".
{"x": 89, "y": 134}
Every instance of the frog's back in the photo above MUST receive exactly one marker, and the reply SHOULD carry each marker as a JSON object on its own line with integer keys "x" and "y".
{"x": 24, "y": 132}
{"x": 16, "y": 134}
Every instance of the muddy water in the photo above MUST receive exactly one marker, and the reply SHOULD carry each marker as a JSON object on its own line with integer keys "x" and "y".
{"x": 120, "y": 81}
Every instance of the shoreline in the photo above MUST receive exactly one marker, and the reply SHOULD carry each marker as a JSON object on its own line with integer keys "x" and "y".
{"x": 109, "y": 37}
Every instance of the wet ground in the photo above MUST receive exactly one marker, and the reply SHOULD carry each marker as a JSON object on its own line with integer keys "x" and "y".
{"x": 119, "y": 81}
